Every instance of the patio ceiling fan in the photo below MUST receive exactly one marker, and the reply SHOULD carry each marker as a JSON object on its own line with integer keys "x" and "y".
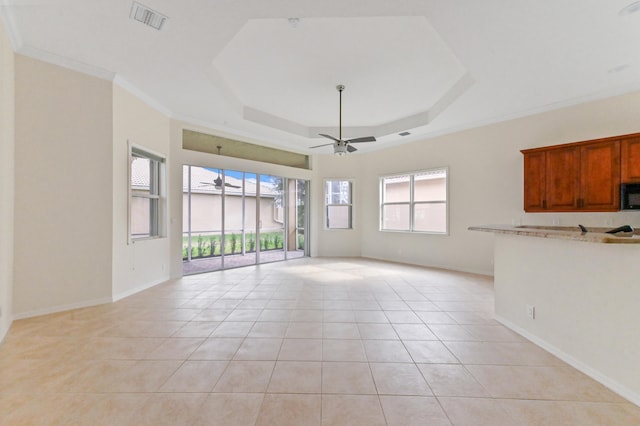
{"x": 342, "y": 146}
{"x": 217, "y": 182}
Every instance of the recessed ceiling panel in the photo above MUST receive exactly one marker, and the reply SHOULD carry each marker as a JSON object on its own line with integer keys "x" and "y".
{"x": 290, "y": 69}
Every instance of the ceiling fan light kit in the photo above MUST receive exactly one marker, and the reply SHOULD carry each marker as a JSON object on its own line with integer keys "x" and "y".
{"x": 340, "y": 150}
{"x": 341, "y": 146}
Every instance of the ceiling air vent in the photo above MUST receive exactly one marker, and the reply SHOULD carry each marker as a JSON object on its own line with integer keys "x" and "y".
{"x": 147, "y": 16}
{"x": 404, "y": 134}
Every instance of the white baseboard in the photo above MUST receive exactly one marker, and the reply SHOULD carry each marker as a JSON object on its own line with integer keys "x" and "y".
{"x": 61, "y": 308}
{"x": 607, "y": 381}
{"x": 137, "y": 289}
{"x": 4, "y": 331}
{"x": 434, "y": 266}
{"x": 85, "y": 304}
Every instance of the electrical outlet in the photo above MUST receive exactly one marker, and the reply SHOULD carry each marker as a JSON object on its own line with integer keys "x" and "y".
{"x": 556, "y": 221}
{"x": 531, "y": 312}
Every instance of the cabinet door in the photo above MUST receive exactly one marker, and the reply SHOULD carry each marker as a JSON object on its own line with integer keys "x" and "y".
{"x": 630, "y": 149}
{"x": 600, "y": 176}
{"x": 534, "y": 181}
{"x": 563, "y": 178}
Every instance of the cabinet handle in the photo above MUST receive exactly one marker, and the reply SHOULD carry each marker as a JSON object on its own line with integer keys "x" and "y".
{"x": 544, "y": 204}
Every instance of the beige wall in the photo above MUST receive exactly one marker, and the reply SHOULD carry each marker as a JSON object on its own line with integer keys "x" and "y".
{"x": 63, "y": 188}
{"x": 485, "y": 183}
{"x": 145, "y": 262}
{"x": 7, "y": 148}
{"x": 337, "y": 242}
{"x": 586, "y": 303}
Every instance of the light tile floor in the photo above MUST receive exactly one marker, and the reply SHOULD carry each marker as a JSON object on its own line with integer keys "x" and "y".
{"x": 306, "y": 342}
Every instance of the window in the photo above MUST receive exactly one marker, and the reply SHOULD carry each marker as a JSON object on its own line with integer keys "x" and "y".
{"x": 337, "y": 196}
{"x": 146, "y": 180}
{"x": 414, "y": 202}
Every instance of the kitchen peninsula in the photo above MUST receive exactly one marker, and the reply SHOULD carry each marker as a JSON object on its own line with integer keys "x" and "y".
{"x": 575, "y": 294}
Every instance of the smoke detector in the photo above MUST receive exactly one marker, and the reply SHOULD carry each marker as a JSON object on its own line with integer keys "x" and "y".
{"x": 147, "y": 16}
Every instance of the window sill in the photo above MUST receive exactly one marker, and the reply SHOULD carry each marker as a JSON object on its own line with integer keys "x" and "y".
{"x": 141, "y": 239}
{"x": 395, "y": 231}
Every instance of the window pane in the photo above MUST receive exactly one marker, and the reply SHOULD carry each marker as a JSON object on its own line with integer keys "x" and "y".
{"x": 339, "y": 217}
{"x": 145, "y": 210}
{"x": 234, "y": 205}
{"x": 338, "y": 192}
{"x": 232, "y": 182}
{"x": 141, "y": 174}
{"x": 430, "y": 186}
{"x": 140, "y": 217}
{"x": 395, "y": 217}
{"x": 396, "y": 189}
{"x": 431, "y": 217}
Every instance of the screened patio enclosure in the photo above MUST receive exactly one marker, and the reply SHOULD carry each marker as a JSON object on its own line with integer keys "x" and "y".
{"x": 234, "y": 218}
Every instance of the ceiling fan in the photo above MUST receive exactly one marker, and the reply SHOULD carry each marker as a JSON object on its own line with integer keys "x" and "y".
{"x": 217, "y": 182}
{"x": 342, "y": 146}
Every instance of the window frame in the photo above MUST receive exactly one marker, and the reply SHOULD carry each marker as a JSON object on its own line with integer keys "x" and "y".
{"x": 156, "y": 193}
{"x": 327, "y": 205}
{"x": 412, "y": 203}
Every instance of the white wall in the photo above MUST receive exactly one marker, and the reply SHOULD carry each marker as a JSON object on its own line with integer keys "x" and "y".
{"x": 7, "y": 147}
{"x": 63, "y": 186}
{"x": 142, "y": 263}
{"x": 485, "y": 182}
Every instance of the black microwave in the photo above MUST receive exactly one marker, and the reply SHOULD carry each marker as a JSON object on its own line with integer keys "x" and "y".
{"x": 630, "y": 196}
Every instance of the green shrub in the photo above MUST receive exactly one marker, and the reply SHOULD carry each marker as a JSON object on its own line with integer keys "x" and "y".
{"x": 234, "y": 243}
{"x": 200, "y": 246}
{"x": 214, "y": 242}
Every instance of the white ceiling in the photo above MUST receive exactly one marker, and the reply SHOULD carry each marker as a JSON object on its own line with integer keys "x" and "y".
{"x": 424, "y": 66}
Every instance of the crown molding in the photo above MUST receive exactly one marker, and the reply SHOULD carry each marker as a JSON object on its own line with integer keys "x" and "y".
{"x": 65, "y": 62}
{"x": 119, "y": 80}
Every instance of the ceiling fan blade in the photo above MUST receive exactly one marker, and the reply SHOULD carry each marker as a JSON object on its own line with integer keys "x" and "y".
{"x": 363, "y": 139}
{"x": 318, "y": 146}
{"x": 228, "y": 185}
{"x": 206, "y": 183}
{"x": 329, "y": 137}
{"x": 351, "y": 148}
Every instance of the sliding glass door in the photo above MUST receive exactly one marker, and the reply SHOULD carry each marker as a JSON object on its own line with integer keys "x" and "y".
{"x": 239, "y": 219}
{"x": 233, "y": 218}
{"x": 271, "y": 219}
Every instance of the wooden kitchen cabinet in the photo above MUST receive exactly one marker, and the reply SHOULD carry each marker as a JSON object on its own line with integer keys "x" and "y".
{"x": 582, "y": 176}
{"x": 535, "y": 165}
{"x": 630, "y": 159}
{"x": 600, "y": 176}
{"x": 562, "y": 187}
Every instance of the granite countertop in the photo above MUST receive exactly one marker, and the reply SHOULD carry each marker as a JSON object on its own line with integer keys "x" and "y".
{"x": 595, "y": 235}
